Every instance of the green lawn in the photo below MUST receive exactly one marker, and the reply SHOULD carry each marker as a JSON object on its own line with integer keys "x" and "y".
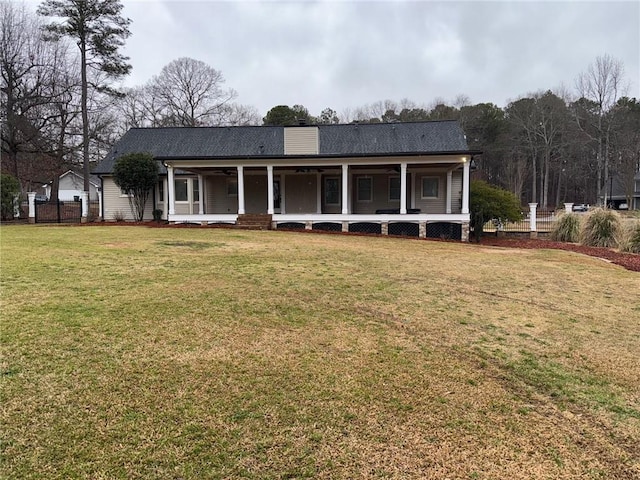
{"x": 134, "y": 352}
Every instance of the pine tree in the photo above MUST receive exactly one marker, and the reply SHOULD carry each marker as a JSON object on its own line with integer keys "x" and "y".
{"x": 99, "y": 30}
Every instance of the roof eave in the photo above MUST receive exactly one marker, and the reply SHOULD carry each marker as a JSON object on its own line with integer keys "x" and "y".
{"x": 318, "y": 156}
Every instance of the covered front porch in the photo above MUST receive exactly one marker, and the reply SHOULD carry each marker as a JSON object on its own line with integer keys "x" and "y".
{"x": 427, "y": 197}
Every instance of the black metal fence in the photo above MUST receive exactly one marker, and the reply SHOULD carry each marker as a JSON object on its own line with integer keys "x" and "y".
{"x": 58, "y": 212}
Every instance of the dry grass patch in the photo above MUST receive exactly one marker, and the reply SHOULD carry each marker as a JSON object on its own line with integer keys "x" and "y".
{"x": 210, "y": 353}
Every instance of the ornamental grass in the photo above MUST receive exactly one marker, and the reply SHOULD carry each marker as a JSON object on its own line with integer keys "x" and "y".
{"x": 601, "y": 228}
{"x": 566, "y": 228}
{"x": 631, "y": 239}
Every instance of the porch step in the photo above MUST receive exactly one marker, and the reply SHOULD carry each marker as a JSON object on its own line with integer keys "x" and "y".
{"x": 254, "y": 221}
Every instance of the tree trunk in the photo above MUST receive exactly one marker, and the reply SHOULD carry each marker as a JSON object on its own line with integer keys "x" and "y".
{"x": 545, "y": 189}
{"x": 85, "y": 114}
{"x": 558, "y": 186}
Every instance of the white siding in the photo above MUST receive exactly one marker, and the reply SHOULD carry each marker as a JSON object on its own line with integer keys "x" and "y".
{"x": 255, "y": 192}
{"x": 115, "y": 204}
{"x": 217, "y": 199}
{"x": 456, "y": 191}
{"x": 380, "y": 194}
{"x": 431, "y": 205}
{"x": 301, "y": 141}
{"x": 301, "y": 193}
{"x": 72, "y": 185}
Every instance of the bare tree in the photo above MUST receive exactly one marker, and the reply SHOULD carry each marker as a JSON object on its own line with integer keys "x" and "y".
{"x": 602, "y": 85}
{"x": 61, "y": 134}
{"x": 625, "y": 144}
{"x": 138, "y": 107}
{"x": 190, "y": 93}
{"x": 552, "y": 117}
{"x": 38, "y": 94}
{"x": 238, "y": 115}
{"x": 23, "y": 59}
{"x": 521, "y": 117}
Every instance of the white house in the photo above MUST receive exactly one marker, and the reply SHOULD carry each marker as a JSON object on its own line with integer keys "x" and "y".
{"x": 388, "y": 178}
{"x": 71, "y": 187}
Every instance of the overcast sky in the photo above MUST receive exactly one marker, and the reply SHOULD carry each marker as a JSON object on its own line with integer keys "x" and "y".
{"x": 350, "y": 53}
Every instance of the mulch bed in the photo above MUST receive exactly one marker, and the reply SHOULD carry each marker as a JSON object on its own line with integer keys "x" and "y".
{"x": 630, "y": 261}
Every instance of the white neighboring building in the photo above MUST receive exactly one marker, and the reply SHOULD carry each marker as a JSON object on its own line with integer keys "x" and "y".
{"x": 72, "y": 185}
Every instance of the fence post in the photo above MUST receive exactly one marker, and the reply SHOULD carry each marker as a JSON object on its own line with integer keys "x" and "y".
{"x": 85, "y": 206}
{"x": 533, "y": 226}
{"x": 568, "y": 207}
{"x": 31, "y": 196}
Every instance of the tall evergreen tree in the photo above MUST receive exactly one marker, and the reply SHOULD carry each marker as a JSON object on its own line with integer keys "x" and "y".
{"x": 99, "y": 30}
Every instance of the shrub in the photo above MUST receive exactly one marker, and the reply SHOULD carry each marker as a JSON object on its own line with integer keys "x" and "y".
{"x": 488, "y": 202}
{"x": 118, "y": 216}
{"x": 566, "y": 228}
{"x": 601, "y": 228}
{"x": 631, "y": 242}
{"x": 157, "y": 214}
{"x": 136, "y": 174}
{"x": 9, "y": 190}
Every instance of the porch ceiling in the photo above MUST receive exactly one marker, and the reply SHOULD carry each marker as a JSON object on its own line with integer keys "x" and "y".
{"x": 319, "y": 168}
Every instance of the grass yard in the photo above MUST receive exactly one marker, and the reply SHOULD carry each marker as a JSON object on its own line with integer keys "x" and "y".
{"x": 132, "y": 352}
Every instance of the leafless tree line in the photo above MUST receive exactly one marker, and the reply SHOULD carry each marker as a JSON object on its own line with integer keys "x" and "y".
{"x": 186, "y": 93}
{"x": 546, "y": 147}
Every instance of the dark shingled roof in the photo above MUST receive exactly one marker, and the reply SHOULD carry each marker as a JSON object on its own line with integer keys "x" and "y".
{"x": 390, "y": 138}
{"x": 268, "y": 141}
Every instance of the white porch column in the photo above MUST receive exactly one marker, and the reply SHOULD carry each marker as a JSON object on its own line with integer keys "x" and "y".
{"x": 403, "y": 187}
{"x": 345, "y": 189}
{"x": 465, "y": 187}
{"x": 165, "y": 200}
{"x": 270, "y": 207}
{"x": 533, "y": 226}
{"x": 200, "y": 195}
{"x": 31, "y": 196}
{"x": 449, "y": 186}
{"x": 240, "y": 190}
{"x": 171, "y": 190}
{"x": 84, "y": 196}
{"x": 100, "y": 203}
{"x": 318, "y": 192}
{"x": 568, "y": 207}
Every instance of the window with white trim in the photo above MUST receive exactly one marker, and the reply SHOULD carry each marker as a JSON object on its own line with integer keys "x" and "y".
{"x": 161, "y": 191}
{"x": 365, "y": 189}
{"x": 181, "y": 190}
{"x": 394, "y": 188}
{"x": 430, "y": 187}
